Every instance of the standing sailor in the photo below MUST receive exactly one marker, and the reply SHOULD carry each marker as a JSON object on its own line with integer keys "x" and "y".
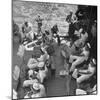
{"x": 39, "y": 22}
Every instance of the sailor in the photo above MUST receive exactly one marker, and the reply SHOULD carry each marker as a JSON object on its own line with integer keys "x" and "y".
{"x": 42, "y": 73}
{"x": 76, "y": 60}
{"x": 39, "y": 22}
{"x": 37, "y": 90}
{"x": 85, "y": 74}
{"x": 32, "y": 63}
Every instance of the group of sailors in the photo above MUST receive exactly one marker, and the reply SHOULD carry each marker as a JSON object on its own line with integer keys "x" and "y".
{"x": 80, "y": 65}
{"x": 36, "y": 73}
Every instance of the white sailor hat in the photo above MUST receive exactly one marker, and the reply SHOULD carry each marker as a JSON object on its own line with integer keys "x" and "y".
{"x": 41, "y": 58}
{"x": 88, "y": 44}
{"x": 63, "y": 42}
{"x": 39, "y": 37}
{"x": 30, "y": 72}
{"x": 40, "y": 64}
{"x": 94, "y": 61}
{"x": 36, "y": 86}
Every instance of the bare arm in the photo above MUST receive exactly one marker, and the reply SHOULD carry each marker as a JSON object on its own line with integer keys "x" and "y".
{"x": 84, "y": 72}
{"x": 88, "y": 71}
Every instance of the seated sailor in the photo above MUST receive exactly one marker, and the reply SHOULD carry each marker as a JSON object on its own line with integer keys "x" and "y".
{"x": 86, "y": 73}
{"x": 76, "y": 60}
